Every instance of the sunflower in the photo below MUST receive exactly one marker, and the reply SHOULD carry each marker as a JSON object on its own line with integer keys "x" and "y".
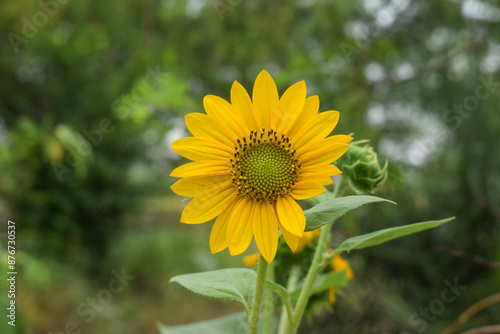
{"x": 252, "y": 159}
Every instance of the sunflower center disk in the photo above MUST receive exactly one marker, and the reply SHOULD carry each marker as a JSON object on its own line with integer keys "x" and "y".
{"x": 264, "y": 166}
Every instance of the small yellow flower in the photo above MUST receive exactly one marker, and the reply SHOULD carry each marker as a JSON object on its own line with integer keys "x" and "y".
{"x": 251, "y": 260}
{"x": 339, "y": 264}
{"x": 252, "y": 160}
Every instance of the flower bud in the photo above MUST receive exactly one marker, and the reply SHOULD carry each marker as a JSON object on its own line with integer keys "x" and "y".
{"x": 361, "y": 167}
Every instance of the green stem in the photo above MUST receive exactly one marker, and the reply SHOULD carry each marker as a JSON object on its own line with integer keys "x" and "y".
{"x": 269, "y": 302}
{"x": 313, "y": 270}
{"x": 338, "y": 189}
{"x": 253, "y": 318}
{"x": 310, "y": 278}
{"x": 292, "y": 284}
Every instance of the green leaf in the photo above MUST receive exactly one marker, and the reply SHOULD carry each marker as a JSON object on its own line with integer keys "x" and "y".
{"x": 283, "y": 293}
{"x": 234, "y": 323}
{"x": 388, "y": 234}
{"x": 230, "y": 324}
{"x": 235, "y": 284}
{"x": 330, "y": 210}
{"x": 324, "y": 282}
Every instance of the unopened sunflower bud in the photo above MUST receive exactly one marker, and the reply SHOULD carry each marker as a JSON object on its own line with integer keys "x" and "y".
{"x": 361, "y": 167}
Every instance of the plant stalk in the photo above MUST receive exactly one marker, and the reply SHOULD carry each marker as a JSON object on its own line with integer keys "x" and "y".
{"x": 292, "y": 283}
{"x": 269, "y": 301}
{"x": 310, "y": 278}
{"x": 313, "y": 270}
{"x": 253, "y": 317}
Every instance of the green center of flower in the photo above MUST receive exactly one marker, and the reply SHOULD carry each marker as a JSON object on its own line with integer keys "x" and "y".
{"x": 264, "y": 166}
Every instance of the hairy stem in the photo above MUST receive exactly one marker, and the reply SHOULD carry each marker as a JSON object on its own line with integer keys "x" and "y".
{"x": 253, "y": 317}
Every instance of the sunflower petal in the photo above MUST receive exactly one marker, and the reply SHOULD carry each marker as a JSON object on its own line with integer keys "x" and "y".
{"x": 327, "y": 144}
{"x": 328, "y": 170}
{"x": 307, "y": 189}
{"x": 239, "y": 231}
{"x": 222, "y": 110}
{"x": 289, "y": 107}
{"x": 265, "y": 230}
{"x": 199, "y": 185}
{"x": 198, "y": 168}
{"x": 265, "y": 98}
{"x": 291, "y": 215}
{"x": 322, "y": 126}
{"x": 305, "y": 118}
{"x": 319, "y": 178}
{"x": 319, "y": 173}
{"x": 205, "y": 207}
{"x": 240, "y": 100}
{"x": 326, "y": 155}
{"x": 291, "y": 240}
{"x": 218, "y": 240}
{"x": 204, "y": 126}
{"x": 200, "y": 149}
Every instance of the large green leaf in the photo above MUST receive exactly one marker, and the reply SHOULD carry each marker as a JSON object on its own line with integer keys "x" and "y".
{"x": 234, "y": 284}
{"x": 234, "y": 323}
{"x": 388, "y": 234}
{"x": 332, "y": 209}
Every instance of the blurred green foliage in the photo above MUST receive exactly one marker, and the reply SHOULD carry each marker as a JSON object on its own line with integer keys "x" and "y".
{"x": 91, "y": 94}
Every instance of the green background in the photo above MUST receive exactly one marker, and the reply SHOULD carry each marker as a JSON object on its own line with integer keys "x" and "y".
{"x": 93, "y": 92}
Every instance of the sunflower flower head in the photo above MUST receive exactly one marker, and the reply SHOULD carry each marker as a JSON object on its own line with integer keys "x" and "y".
{"x": 252, "y": 159}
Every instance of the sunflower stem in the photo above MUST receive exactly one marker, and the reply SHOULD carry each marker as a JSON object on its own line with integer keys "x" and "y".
{"x": 269, "y": 301}
{"x": 313, "y": 270}
{"x": 253, "y": 317}
{"x": 338, "y": 189}
{"x": 311, "y": 276}
{"x": 291, "y": 285}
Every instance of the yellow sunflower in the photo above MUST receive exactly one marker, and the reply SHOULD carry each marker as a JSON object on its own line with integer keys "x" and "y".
{"x": 252, "y": 160}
